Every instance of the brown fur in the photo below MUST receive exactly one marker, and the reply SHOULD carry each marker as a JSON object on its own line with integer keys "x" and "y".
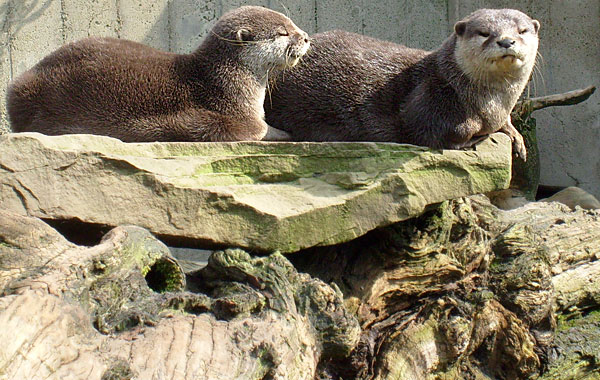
{"x": 352, "y": 87}
{"x": 133, "y": 92}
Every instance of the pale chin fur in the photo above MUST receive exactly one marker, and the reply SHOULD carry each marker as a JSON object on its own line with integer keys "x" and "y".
{"x": 297, "y": 54}
{"x": 264, "y": 56}
{"x": 293, "y": 62}
{"x": 505, "y": 64}
{"x": 492, "y": 65}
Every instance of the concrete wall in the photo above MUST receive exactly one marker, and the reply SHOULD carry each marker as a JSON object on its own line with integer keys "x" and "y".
{"x": 569, "y": 136}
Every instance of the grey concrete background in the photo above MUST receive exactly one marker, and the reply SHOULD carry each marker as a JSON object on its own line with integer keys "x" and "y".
{"x": 569, "y": 137}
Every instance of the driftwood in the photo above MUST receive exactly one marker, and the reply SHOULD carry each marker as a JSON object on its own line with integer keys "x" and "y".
{"x": 118, "y": 311}
{"x": 527, "y": 106}
{"x": 465, "y": 291}
{"x": 468, "y": 291}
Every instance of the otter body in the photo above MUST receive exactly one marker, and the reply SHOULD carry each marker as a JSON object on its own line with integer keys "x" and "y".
{"x": 133, "y": 92}
{"x": 352, "y": 87}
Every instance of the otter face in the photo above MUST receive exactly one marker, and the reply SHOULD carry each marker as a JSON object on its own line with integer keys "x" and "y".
{"x": 267, "y": 39}
{"x": 496, "y": 43}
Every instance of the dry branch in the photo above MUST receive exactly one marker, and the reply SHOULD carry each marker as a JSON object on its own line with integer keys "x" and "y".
{"x": 527, "y": 106}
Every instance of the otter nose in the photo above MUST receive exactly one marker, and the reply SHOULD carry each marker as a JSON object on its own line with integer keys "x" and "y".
{"x": 301, "y": 37}
{"x": 305, "y": 36}
{"x": 506, "y": 43}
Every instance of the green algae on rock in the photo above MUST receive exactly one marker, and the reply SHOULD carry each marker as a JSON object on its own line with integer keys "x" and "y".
{"x": 258, "y": 195}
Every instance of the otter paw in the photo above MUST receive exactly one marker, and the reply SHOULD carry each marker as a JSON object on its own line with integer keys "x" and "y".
{"x": 519, "y": 147}
{"x": 517, "y": 140}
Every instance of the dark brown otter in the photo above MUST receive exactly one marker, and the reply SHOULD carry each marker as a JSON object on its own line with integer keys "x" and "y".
{"x": 133, "y": 92}
{"x": 352, "y": 87}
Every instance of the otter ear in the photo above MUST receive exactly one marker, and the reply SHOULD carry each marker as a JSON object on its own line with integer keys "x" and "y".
{"x": 460, "y": 27}
{"x": 536, "y": 25}
{"x": 243, "y": 34}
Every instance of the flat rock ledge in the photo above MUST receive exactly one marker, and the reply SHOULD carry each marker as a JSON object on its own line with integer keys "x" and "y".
{"x": 257, "y": 195}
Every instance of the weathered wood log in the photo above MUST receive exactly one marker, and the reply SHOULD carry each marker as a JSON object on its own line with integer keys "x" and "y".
{"x": 464, "y": 291}
{"x": 526, "y": 174}
{"x": 525, "y": 107}
{"x": 577, "y": 350}
{"x": 118, "y": 311}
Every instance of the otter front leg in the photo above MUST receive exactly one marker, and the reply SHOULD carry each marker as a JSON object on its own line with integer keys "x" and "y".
{"x": 516, "y": 138}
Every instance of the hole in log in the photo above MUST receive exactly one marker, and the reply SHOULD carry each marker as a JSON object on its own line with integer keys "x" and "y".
{"x": 165, "y": 276}
{"x": 156, "y": 280}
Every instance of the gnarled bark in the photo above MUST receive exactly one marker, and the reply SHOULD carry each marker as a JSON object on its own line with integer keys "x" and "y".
{"x": 464, "y": 291}
{"x": 118, "y": 311}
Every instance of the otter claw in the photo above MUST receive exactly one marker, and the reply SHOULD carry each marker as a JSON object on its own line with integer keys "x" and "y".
{"x": 517, "y": 140}
{"x": 519, "y": 148}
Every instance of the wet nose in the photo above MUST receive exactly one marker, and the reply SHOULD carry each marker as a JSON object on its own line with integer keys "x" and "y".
{"x": 305, "y": 37}
{"x": 506, "y": 43}
{"x": 301, "y": 37}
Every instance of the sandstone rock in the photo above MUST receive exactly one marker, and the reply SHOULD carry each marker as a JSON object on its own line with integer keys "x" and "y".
{"x": 264, "y": 196}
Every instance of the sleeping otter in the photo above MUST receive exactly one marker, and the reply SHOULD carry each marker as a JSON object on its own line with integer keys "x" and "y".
{"x": 133, "y": 92}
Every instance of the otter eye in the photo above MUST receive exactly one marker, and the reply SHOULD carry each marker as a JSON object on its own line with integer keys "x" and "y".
{"x": 243, "y": 35}
{"x": 484, "y": 34}
{"x": 523, "y": 31}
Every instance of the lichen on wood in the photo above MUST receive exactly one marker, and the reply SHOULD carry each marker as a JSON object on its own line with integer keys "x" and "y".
{"x": 120, "y": 310}
{"x": 463, "y": 291}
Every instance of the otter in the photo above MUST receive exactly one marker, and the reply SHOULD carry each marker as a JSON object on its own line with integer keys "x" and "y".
{"x": 136, "y": 93}
{"x": 351, "y": 87}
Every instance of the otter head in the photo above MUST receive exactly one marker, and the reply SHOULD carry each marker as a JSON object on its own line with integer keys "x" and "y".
{"x": 496, "y": 45}
{"x": 265, "y": 39}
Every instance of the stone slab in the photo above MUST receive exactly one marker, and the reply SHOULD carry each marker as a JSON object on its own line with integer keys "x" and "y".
{"x": 256, "y": 195}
